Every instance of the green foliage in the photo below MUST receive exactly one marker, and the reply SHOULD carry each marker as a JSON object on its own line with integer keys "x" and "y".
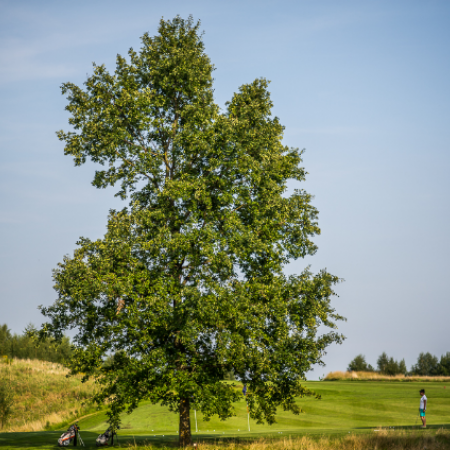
{"x": 5, "y": 339}
{"x": 382, "y": 362}
{"x": 389, "y": 366}
{"x": 402, "y": 367}
{"x": 188, "y": 283}
{"x": 229, "y": 376}
{"x": 28, "y": 346}
{"x": 427, "y": 364}
{"x": 392, "y": 367}
{"x": 444, "y": 365}
{"x": 359, "y": 364}
{"x": 6, "y": 401}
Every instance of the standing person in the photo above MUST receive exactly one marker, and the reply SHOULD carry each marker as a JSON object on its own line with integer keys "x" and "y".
{"x": 423, "y": 407}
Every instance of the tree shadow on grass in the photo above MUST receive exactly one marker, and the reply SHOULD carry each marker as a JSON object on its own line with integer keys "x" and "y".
{"x": 39, "y": 439}
{"x": 44, "y": 440}
{"x": 49, "y": 440}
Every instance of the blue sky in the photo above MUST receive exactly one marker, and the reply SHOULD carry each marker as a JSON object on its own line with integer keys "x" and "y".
{"x": 363, "y": 86}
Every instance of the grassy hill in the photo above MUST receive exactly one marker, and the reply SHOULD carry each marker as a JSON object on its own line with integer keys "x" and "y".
{"x": 42, "y": 394}
{"x": 346, "y": 408}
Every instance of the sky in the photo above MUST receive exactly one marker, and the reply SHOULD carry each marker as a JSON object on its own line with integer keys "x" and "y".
{"x": 362, "y": 86}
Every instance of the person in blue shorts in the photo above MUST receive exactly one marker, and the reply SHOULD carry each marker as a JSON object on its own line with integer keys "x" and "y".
{"x": 423, "y": 407}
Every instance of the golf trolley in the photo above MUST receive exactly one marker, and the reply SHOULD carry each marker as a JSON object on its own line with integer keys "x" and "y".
{"x": 103, "y": 439}
{"x": 71, "y": 436}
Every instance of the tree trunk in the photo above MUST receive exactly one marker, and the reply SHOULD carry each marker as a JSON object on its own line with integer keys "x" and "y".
{"x": 185, "y": 423}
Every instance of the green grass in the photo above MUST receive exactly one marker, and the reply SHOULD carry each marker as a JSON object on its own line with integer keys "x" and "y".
{"x": 355, "y": 407}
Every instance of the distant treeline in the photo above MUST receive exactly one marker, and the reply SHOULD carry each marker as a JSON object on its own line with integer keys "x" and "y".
{"x": 27, "y": 346}
{"x": 427, "y": 365}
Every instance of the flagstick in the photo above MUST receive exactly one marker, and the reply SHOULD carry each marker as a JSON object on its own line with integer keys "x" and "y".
{"x": 244, "y": 391}
{"x": 248, "y": 416}
{"x": 195, "y": 413}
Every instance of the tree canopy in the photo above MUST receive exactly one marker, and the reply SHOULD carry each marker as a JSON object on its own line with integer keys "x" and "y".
{"x": 359, "y": 364}
{"x": 187, "y": 284}
{"x": 427, "y": 364}
{"x": 28, "y": 346}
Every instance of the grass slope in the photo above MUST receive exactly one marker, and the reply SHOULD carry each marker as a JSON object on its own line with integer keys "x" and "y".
{"x": 43, "y": 395}
{"x": 355, "y": 407}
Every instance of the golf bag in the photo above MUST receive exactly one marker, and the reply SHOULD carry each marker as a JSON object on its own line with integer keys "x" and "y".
{"x": 69, "y": 437}
{"x": 104, "y": 438}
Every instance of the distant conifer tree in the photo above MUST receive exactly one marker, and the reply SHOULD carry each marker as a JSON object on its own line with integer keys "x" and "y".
{"x": 382, "y": 362}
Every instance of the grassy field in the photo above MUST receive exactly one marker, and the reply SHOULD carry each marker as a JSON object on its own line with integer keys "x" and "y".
{"x": 346, "y": 409}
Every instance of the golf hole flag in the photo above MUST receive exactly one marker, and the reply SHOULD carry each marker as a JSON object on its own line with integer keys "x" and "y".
{"x": 244, "y": 391}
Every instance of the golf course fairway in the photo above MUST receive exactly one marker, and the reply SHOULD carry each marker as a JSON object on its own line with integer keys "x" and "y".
{"x": 346, "y": 406}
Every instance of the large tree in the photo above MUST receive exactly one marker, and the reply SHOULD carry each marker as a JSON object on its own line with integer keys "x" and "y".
{"x": 188, "y": 284}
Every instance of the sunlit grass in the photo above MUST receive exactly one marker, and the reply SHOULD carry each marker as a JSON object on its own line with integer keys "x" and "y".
{"x": 43, "y": 394}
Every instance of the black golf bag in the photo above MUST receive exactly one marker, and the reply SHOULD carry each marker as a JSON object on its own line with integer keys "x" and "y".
{"x": 69, "y": 437}
{"x": 104, "y": 438}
